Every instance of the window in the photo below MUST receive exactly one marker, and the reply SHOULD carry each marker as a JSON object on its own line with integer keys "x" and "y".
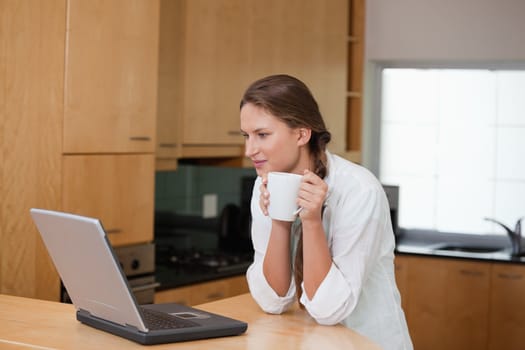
{"x": 454, "y": 141}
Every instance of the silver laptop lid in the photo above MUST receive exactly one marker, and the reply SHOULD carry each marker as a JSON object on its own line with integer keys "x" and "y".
{"x": 87, "y": 265}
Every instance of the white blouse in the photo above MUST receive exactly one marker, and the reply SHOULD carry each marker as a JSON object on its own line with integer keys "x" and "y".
{"x": 359, "y": 290}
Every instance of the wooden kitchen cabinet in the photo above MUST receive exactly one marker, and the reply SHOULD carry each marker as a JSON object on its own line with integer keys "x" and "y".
{"x": 223, "y": 46}
{"x": 204, "y": 292}
{"x": 201, "y": 79}
{"x": 110, "y": 115}
{"x": 448, "y": 305}
{"x": 111, "y": 76}
{"x": 306, "y": 39}
{"x": 507, "y": 305}
{"x": 216, "y": 66}
{"x": 117, "y": 189}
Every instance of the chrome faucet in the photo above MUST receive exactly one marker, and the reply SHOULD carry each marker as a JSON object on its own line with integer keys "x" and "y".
{"x": 518, "y": 246}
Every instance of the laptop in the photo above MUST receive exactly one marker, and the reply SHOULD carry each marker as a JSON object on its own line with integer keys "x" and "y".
{"x": 101, "y": 294}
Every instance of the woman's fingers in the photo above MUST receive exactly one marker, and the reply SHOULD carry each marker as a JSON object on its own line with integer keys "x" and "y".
{"x": 264, "y": 200}
{"x": 312, "y": 194}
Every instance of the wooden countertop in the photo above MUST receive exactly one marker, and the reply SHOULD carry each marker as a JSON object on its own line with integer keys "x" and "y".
{"x": 37, "y": 324}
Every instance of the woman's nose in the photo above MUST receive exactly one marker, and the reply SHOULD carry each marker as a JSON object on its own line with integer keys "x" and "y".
{"x": 249, "y": 148}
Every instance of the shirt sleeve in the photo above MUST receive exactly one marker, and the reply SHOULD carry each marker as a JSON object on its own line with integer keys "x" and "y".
{"x": 356, "y": 226}
{"x": 260, "y": 289}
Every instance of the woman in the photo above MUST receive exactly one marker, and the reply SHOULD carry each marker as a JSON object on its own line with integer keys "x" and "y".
{"x": 338, "y": 255}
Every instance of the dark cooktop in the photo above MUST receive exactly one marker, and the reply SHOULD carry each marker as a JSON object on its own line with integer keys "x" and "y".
{"x": 178, "y": 268}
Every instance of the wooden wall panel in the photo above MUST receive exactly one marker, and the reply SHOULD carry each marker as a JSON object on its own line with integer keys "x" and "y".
{"x": 31, "y": 107}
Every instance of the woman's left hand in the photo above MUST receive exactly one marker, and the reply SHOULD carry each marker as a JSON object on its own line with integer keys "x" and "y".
{"x": 312, "y": 195}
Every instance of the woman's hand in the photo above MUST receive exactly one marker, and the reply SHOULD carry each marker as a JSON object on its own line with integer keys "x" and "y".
{"x": 265, "y": 195}
{"x": 312, "y": 195}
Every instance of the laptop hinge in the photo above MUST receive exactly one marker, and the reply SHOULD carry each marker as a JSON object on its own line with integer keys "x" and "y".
{"x": 83, "y": 312}
{"x": 88, "y": 315}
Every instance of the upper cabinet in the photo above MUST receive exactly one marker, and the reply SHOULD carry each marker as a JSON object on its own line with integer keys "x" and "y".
{"x": 216, "y": 62}
{"x": 210, "y": 51}
{"x": 111, "y": 76}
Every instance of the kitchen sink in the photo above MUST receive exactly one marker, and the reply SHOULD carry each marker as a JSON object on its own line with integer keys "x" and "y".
{"x": 468, "y": 248}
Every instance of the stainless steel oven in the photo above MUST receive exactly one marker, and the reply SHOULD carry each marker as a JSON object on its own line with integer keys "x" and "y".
{"x": 138, "y": 264}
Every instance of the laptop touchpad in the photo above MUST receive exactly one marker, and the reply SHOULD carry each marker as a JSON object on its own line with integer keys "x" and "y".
{"x": 190, "y": 315}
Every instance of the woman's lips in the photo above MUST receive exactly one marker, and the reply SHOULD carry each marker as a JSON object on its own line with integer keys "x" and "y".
{"x": 258, "y": 163}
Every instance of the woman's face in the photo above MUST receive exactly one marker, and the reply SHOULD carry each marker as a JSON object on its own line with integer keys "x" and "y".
{"x": 270, "y": 143}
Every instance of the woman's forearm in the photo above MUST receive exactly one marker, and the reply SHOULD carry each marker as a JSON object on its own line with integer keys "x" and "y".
{"x": 276, "y": 265}
{"x": 317, "y": 259}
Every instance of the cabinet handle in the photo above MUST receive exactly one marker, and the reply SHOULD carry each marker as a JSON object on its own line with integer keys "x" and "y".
{"x": 168, "y": 145}
{"x": 509, "y": 276}
{"x": 114, "y": 230}
{"x": 140, "y": 138}
{"x": 471, "y": 273}
{"x": 234, "y": 133}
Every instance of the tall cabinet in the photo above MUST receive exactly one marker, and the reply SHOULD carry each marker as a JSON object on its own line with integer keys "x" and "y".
{"x": 110, "y": 113}
{"x": 77, "y": 125}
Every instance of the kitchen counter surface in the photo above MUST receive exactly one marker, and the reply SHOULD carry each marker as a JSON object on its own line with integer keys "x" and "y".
{"x": 37, "y": 324}
{"x": 432, "y": 244}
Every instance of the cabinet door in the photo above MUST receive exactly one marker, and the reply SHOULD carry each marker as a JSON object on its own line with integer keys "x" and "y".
{"x": 448, "y": 303}
{"x": 181, "y": 295}
{"x": 216, "y": 50}
{"x": 117, "y": 189}
{"x": 111, "y": 76}
{"x": 204, "y": 292}
{"x": 507, "y": 307}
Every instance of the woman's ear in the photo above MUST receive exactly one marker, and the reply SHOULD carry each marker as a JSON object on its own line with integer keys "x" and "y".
{"x": 304, "y": 136}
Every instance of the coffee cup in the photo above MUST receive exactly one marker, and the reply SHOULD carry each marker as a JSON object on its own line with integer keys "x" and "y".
{"x": 283, "y": 189}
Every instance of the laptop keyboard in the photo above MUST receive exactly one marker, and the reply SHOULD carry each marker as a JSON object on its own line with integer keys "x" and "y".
{"x": 156, "y": 320}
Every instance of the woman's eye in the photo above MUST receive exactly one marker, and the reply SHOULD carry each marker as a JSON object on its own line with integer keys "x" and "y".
{"x": 263, "y": 134}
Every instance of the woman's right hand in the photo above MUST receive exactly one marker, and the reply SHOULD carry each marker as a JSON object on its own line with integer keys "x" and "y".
{"x": 264, "y": 199}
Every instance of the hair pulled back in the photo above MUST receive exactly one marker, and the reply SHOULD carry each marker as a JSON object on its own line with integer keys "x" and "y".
{"x": 290, "y": 100}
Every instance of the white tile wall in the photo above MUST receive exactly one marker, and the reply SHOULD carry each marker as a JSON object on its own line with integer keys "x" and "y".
{"x": 454, "y": 140}
{"x": 414, "y": 100}
{"x": 511, "y": 97}
{"x": 509, "y": 201}
{"x": 410, "y": 148}
{"x": 510, "y": 162}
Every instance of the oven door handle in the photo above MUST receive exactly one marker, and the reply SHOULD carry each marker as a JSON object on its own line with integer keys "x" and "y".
{"x": 145, "y": 287}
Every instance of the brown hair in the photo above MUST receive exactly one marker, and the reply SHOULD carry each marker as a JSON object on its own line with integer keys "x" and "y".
{"x": 290, "y": 100}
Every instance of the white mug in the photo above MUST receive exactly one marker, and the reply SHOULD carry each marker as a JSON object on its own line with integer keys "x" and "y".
{"x": 283, "y": 189}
